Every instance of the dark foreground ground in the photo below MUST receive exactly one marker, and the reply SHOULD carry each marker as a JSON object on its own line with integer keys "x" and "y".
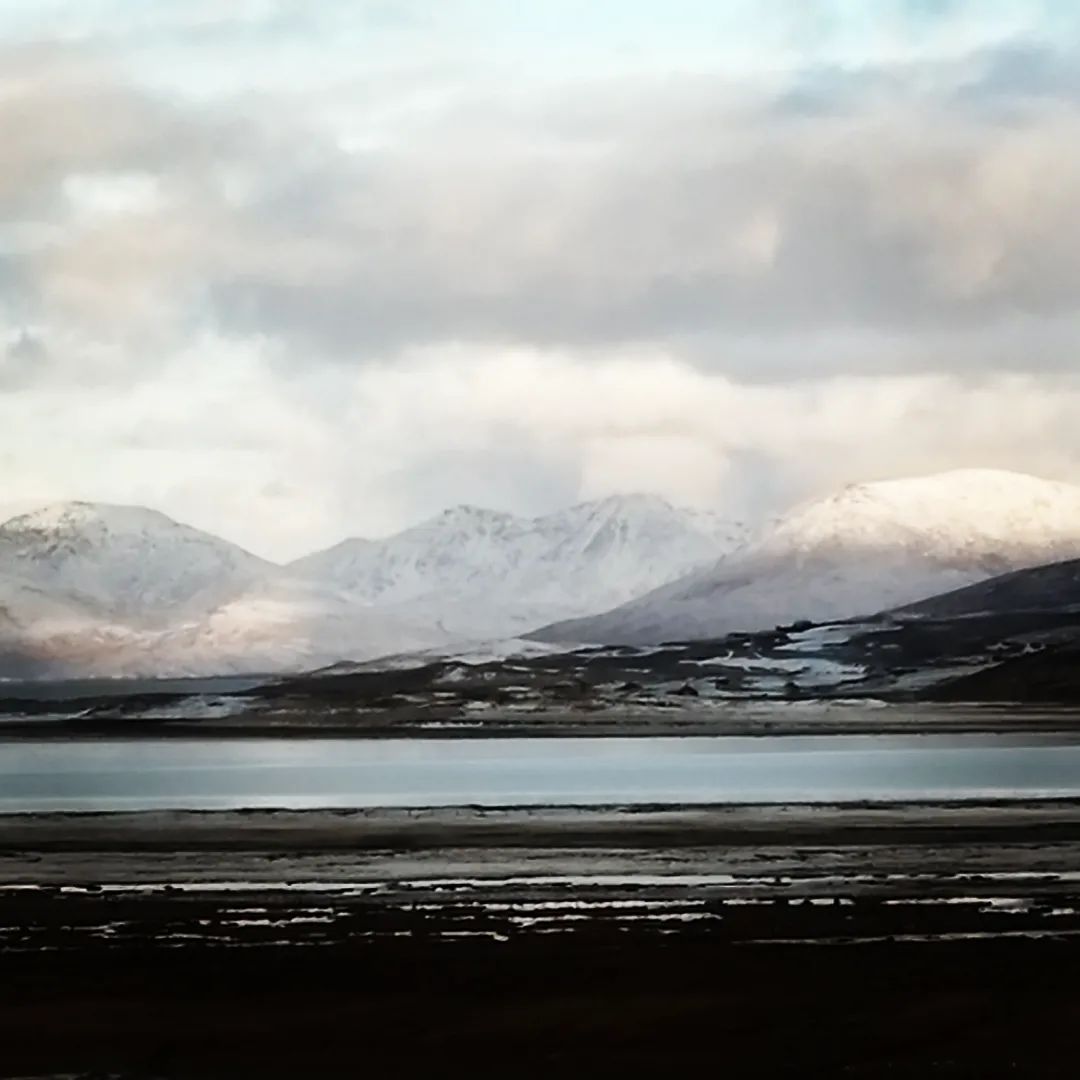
{"x": 582, "y": 1005}
{"x": 917, "y": 941}
{"x": 689, "y": 717}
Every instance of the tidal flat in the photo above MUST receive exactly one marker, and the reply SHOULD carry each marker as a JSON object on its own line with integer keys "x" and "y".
{"x": 902, "y": 939}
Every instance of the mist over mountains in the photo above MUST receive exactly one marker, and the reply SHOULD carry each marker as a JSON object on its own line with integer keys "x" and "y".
{"x": 94, "y": 589}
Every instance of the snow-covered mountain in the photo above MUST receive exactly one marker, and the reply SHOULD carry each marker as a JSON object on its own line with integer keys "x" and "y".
{"x": 94, "y": 589}
{"x": 123, "y": 563}
{"x": 460, "y": 547}
{"x": 282, "y": 623}
{"x": 89, "y": 588}
{"x": 867, "y": 548}
{"x": 483, "y": 574}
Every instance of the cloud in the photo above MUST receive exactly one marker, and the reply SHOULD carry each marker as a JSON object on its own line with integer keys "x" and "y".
{"x": 20, "y": 361}
{"x": 289, "y": 302}
{"x": 697, "y": 226}
{"x": 679, "y": 214}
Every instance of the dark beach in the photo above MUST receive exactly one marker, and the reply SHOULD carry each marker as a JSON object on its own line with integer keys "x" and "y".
{"x": 908, "y": 940}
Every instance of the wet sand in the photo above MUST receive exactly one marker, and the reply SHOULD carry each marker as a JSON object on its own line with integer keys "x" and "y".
{"x": 913, "y": 940}
{"x": 24, "y": 838}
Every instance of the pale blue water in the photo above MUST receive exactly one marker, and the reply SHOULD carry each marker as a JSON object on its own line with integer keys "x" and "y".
{"x": 191, "y": 774}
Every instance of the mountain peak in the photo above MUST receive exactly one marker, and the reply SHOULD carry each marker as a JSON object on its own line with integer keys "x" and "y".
{"x": 491, "y": 574}
{"x": 633, "y": 500}
{"x": 121, "y": 562}
{"x": 865, "y": 548}
{"x": 964, "y": 509}
{"x": 629, "y": 505}
{"x": 467, "y": 512}
{"x": 970, "y": 482}
{"x": 465, "y": 519}
{"x": 78, "y": 514}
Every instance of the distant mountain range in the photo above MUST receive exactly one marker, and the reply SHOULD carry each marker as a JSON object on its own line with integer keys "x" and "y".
{"x": 89, "y": 588}
{"x": 867, "y": 548}
{"x": 92, "y": 589}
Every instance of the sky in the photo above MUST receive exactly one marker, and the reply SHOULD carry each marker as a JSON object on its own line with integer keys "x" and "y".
{"x": 291, "y": 271}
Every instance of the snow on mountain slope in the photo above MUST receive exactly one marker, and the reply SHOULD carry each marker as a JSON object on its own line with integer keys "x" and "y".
{"x": 984, "y": 512}
{"x": 122, "y": 563}
{"x": 30, "y": 618}
{"x": 622, "y": 546}
{"x": 866, "y": 548}
{"x": 97, "y": 589}
{"x": 282, "y": 623}
{"x": 27, "y": 607}
{"x": 278, "y": 626}
{"x": 483, "y": 574}
{"x": 461, "y": 546}
{"x": 90, "y": 589}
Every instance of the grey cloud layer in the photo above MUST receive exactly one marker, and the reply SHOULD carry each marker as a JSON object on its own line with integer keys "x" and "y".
{"x": 913, "y": 224}
{"x": 305, "y": 311}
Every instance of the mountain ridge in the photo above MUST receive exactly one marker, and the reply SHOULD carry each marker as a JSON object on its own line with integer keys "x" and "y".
{"x": 508, "y": 574}
{"x": 866, "y": 548}
{"x": 111, "y": 589}
{"x": 102, "y": 589}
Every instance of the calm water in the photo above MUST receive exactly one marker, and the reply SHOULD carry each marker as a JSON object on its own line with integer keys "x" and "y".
{"x": 137, "y": 774}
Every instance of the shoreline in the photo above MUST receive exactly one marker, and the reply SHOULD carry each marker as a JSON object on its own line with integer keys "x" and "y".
{"x": 743, "y": 718}
{"x": 665, "y": 824}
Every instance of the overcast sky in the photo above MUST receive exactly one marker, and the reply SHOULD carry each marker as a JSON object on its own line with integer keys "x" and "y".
{"x": 291, "y": 270}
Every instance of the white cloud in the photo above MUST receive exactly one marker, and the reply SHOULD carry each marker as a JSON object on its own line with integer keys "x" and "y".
{"x": 99, "y": 195}
{"x": 290, "y": 270}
